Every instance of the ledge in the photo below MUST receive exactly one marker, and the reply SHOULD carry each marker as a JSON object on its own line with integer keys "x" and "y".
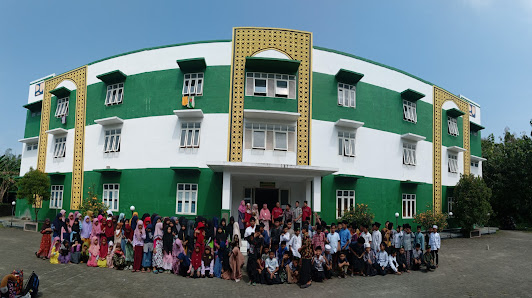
{"x": 477, "y": 158}
{"x": 272, "y": 65}
{"x": 29, "y": 140}
{"x": 109, "y": 121}
{"x": 475, "y": 127}
{"x": 192, "y": 64}
{"x": 56, "y": 174}
{"x": 348, "y": 176}
{"x": 57, "y": 131}
{"x": 410, "y": 182}
{"x": 191, "y": 170}
{"x": 270, "y": 115}
{"x": 456, "y": 149}
{"x": 192, "y": 113}
{"x": 412, "y": 95}
{"x": 61, "y": 92}
{"x": 36, "y": 105}
{"x": 345, "y": 123}
{"x": 112, "y": 77}
{"x": 108, "y": 171}
{"x": 412, "y": 137}
{"x": 454, "y": 112}
{"x": 348, "y": 76}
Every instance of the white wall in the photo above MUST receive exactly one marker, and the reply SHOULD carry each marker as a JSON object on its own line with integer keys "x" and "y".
{"x": 379, "y": 154}
{"x": 33, "y": 85}
{"x": 269, "y": 156}
{"x": 64, "y": 164}
{"x": 450, "y": 179}
{"x": 29, "y": 159}
{"x": 153, "y": 142}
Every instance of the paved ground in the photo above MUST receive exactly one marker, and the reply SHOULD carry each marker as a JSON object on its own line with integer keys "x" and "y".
{"x": 493, "y": 266}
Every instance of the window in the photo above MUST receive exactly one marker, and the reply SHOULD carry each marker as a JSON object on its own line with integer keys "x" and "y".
{"x": 453, "y": 126}
{"x": 409, "y": 111}
{"x": 270, "y": 85}
{"x": 452, "y": 163}
{"x": 56, "y": 197}
{"x": 31, "y": 146}
{"x": 112, "y": 140}
{"x": 115, "y": 94}
{"x": 62, "y": 107}
{"x": 346, "y": 143}
{"x": 193, "y": 84}
{"x": 345, "y": 199}
{"x": 474, "y": 164}
{"x": 33, "y": 114}
{"x": 190, "y": 134}
{"x": 111, "y": 196}
{"x": 409, "y": 154}
{"x": 450, "y": 204}
{"x": 59, "y": 147}
{"x": 278, "y": 137}
{"x": 187, "y": 195}
{"x": 474, "y": 132}
{"x": 346, "y": 95}
{"x": 409, "y": 205}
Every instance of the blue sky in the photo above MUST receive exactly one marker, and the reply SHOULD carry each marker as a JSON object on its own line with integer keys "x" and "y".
{"x": 479, "y": 48}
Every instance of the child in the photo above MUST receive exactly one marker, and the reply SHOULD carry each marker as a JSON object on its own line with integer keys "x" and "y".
{"x": 293, "y": 271}
{"x": 318, "y": 239}
{"x": 271, "y": 266}
{"x": 84, "y": 256}
{"x": 119, "y": 261}
{"x": 343, "y": 265}
{"x": 295, "y": 243}
{"x": 435, "y": 243}
{"x": 402, "y": 260}
{"x": 419, "y": 238}
{"x": 75, "y": 252}
{"x": 284, "y": 267}
{"x": 94, "y": 251}
{"x": 168, "y": 247}
{"x": 333, "y": 239}
{"x": 381, "y": 262}
{"x": 176, "y": 251}
{"x": 393, "y": 266}
{"x": 357, "y": 261}
{"x": 54, "y": 254}
{"x": 184, "y": 265}
{"x": 282, "y": 249}
{"x": 207, "y": 263}
{"x": 195, "y": 262}
{"x": 46, "y": 240}
{"x": 147, "y": 249}
{"x": 398, "y": 238}
{"x": 254, "y": 248}
{"x": 104, "y": 251}
{"x": 157, "y": 260}
{"x": 275, "y": 235}
{"x": 86, "y": 229}
{"x": 127, "y": 245}
{"x": 329, "y": 262}
{"x": 64, "y": 252}
{"x": 285, "y": 236}
{"x": 318, "y": 262}
{"x": 428, "y": 259}
{"x": 369, "y": 260}
{"x": 138, "y": 245}
{"x": 110, "y": 255}
{"x": 417, "y": 257}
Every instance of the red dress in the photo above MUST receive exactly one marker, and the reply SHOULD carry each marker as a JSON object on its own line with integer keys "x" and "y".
{"x": 46, "y": 243}
{"x": 247, "y": 218}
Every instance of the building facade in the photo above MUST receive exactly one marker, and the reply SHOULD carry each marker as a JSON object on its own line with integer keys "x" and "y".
{"x": 193, "y": 129}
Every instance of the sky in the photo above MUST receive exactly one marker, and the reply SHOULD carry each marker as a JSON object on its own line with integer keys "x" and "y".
{"x": 478, "y": 48}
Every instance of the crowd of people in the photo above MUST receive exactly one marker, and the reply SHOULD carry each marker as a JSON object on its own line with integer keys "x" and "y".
{"x": 282, "y": 245}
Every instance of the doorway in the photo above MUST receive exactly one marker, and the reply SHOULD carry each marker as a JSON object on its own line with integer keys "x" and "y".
{"x": 268, "y": 196}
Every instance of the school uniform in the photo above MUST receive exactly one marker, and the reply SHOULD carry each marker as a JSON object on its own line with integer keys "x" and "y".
{"x": 295, "y": 245}
{"x": 318, "y": 268}
{"x": 381, "y": 262}
{"x": 333, "y": 239}
{"x": 398, "y": 239}
{"x": 417, "y": 255}
{"x": 435, "y": 243}
{"x": 376, "y": 240}
{"x": 408, "y": 244}
{"x": 419, "y": 239}
{"x": 271, "y": 265}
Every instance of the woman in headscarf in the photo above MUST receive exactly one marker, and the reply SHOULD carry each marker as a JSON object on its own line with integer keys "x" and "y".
{"x": 236, "y": 231}
{"x": 86, "y": 229}
{"x": 94, "y": 251}
{"x": 157, "y": 260}
{"x": 241, "y": 216}
{"x": 127, "y": 244}
{"x": 236, "y": 260}
{"x": 70, "y": 219}
{"x": 177, "y": 249}
{"x": 183, "y": 236}
{"x": 54, "y": 253}
{"x": 75, "y": 235}
{"x": 76, "y": 215}
{"x": 148, "y": 246}
{"x": 255, "y": 211}
{"x": 121, "y": 217}
{"x": 138, "y": 246}
{"x": 46, "y": 239}
{"x": 265, "y": 216}
{"x": 57, "y": 225}
{"x": 168, "y": 247}
{"x": 109, "y": 229}
{"x": 247, "y": 216}
{"x": 134, "y": 220}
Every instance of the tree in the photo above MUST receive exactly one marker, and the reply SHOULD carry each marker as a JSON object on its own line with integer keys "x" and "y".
{"x": 471, "y": 202}
{"x": 92, "y": 203}
{"x": 429, "y": 218}
{"x": 35, "y": 184}
{"x": 9, "y": 169}
{"x": 361, "y": 215}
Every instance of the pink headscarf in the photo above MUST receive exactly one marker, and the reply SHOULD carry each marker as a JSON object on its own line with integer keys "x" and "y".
{"x": 158, "y": 230}
{"x": 71, "y": 220}
{"x": 63, "y": 211}
{"x": 265, "y": 213}
{"x": 140, "y": 227}
{"x": 94, "y": 248}
{"x": 242, "y": 207}
{"x": 96, "y": 229}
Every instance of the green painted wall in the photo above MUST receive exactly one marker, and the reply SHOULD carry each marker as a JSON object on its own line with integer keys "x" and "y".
{"x": 154, "y": 190}
{"x": 379, "y": 108}
{"x": 383, "y": 197}
{"x": 159, "y": 93}
{"x": 70, "y": 119}
{"x": 33, "y": 125}
{"x": 270, "y": 103}
{"x": 447, "y": 139}
{"x": 475, "y": 144}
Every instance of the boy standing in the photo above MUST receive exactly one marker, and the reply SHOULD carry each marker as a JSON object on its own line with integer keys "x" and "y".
{"x": 319, "y": 238}
{"x": 333, "y": 239}
{"x": 305, "y": 277}
{"x": 435, "y": 242}
{"x": 318, "y": 262}
{"x": 398, "y": 237}
{"x": 376, "y": 237}
{"x": 366, "y": 235}
{"x": 297, "y": 215}
{"x": 295, "y": 243}
{"x": 275, "y": 235}
{"x": 419, "y": 238}
{"x": 345, "y": 237}
{"x": 408, "y": 244}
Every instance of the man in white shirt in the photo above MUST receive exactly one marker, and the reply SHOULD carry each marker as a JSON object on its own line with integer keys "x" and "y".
{"x": 376, "y": 237}
{"x": 333, "y": 239}
{"x": 366, "y": 235}
{"x": 295, "y": 243}
{"x": 435, "y": 243}
{"x": 251, "y": 229}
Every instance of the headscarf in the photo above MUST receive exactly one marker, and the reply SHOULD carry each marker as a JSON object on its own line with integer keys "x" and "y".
{"x": 135, "y": 214}
{"x": 265, "y": 213}
{"x": 220, "y": 237}
{"x": 63, "y": 212}
{"x": 128, "y": 232}
{"x": 94, "y": 248}
{"x": 196, "y": 257}
{"x": 185, "y": 261}
{"x": 90, "y": 214}
{"x": 255, "y": 209}
{"x": 109, "y": 212}
{"x": 57, "y": 245}
{"x": 46, "y": 224}
{"x": 178, "y": 247}
{"x": 224, "y": 255}
{"x": 104, "y": 249}
{"x": 168, "y": 241}
{"x": 134, "y": 220}
{"x": 58, "y": 223}
{"x": 86, "y": 228}
{"x": 153, "y": 217}
{"x": 158, "y": 230}
{"x": 229, "y": 227}
{"x": 147, "y": 222}
{"x": 76, "y": 214}
{"x": 121, "y": 217}
{"x": 248, "y": 208}
{"x": 144, "y": 216}
{"x": 109, "y": 230}
{"x": 149, "y": 232}
{"x": 242, "y": 207}
{"x": 96, "y": 228}
{"x": 207, "y": 257}
{"x": 140, "y": 227}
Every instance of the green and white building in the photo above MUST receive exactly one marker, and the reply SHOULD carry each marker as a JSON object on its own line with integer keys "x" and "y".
{"x": 193, "y": 129}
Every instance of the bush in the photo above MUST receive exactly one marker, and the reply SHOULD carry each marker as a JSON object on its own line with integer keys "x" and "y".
{"x": 92, "y": 203}
{"x": 360, "y": 214}
{"x": 471, "y": 202}
{"x": 427, "y": 219}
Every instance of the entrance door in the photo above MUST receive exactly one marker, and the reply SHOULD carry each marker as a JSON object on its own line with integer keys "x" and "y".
{"x": 268, "y": 196}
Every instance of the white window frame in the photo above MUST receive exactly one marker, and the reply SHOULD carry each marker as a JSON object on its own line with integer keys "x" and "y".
{"x": 347, "y": 95}
{"x": 111, "y": 194}
{"x": 60, "y": 146}
{"x": 452, "y": 163}
{"x": 115, "y": 94}
{"x": 275, "y": 145}
{"x": 409, "y": 154}
{"x": 56, "y": 197}
{"x": 193, "y": 84}
{"x": 344, "y": 196}
{"x": 270, "y": 132}
{"x": 409, "y": 111}
{"x": 190, "y": 135}
{"x": 62, "y": 107}
{"x": 253, "y": 139}
{"x": 113, "y": 137}
{"x": 278, "y": 90}
{"x": 32, "y": 146}
{"x": 452, "y": 124}
{"x": 346, "y": 143}
{"x": 408, "y": 201}
{"x": 272, "y": 78}
{"x": 190, "y": 190}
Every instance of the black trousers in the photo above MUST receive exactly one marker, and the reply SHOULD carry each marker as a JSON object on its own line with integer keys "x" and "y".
{"x": 253, "y": 273}
{"x": 306, "y": 271}
{"x": 379, "y": 269}
{"x": 435, "y": 255}
{"x": 268, "y": 278}
{"x": 318, "y": 276}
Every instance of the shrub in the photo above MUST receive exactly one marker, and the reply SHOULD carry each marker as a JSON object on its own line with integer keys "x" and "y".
{"x": 360, "y": 214}
{"x": 471, "y": 202}
{"x": 92, "y": 203}
{"x": 427, "y": 219}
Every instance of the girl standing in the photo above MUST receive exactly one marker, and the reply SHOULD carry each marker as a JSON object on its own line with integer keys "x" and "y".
{"x": 265, "y": 216}
{"x": 148, "y": 246}
{"x": 94, "y": 251}
{"x": 157, "y": 260}
{"x": 54, "y": 253}
{"x": 46, "y": 240}
{"x": 96, "y": 229}
{"x": 86, "y": 229}
{"x": 168, "y": 242}
{"x": 241, "y": 216}
{"x": 127, "y": 245}
{"x": 138, "y": 245}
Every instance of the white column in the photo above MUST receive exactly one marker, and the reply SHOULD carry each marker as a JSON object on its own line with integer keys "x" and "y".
{"x": 226, "y": 192}
{"x": 316, "y": 202}
{"x": 308, "y": 194}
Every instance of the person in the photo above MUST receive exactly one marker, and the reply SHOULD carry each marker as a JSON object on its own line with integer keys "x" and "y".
{"x": 176, "y": 251}
{"x": 419, "y": 238}
{"x": 398, "y": 237}
{"x": 247, "y": 216}
{"x": 402, "y": 260}
{"x": 290, "y": 227}
{"x": 168, "y": 247}
{"x": 357, "y": 252}
{"x": 109, "y": 230}
{"x": 282, "y": 249}
{"x": 127, "y": 244}
{"x": 345, "y": 237}
{"x": 284, "y": 267}
{"x": 119, "y": 260}
{"x": 271, "y": 266}
{"x": 207, "y": 263}
{"x": 333, "y": 239}
{"x": 46, "y": 240}
{"x": 236, "y": 259}
{"x": 230, "y": 227}
{"x": 428, "y": 259}
{"x": 157, "y": 258}
{"x": 393, "y": 266}
{"x": 75, "y": 252}
{"x": 94, "y": 251}
{"x": 255, "y": 211}
{"x": 427, "y": 237}
{"x": 86, "y": 229}
{"x": 387, "y": 237}
{"x": 265, "y": 235}
{"x": 277, "y": 212}
{"x": 318, "y": 239}
{"x": 288, "y": 214}
{"x": 84, "y": 257}
{"x": 292, "y": 271}
{"x": 366, "y": 234}
{"x": 305, "y": 273}
{"x": 147, "y": 250}
{"x": 417, "y": 257}
{"x": 251, "y": 228}
{"x": 328, "y": 268}
{"x": 369, "y": 260}
{"x": 265, "y": 217}
{"x": 435, "y": 243}
{"x": 104, "y": 251}
{"x": 54, "y": 253}
{"x": 376, "y": 237}
{"x": 297, "y": 215}
{"x": 342, "y": 265}
{"x": 275, "y": 235}
{"x": 295, "y": 243}
{"x": 318, "y": 264}
{"x": 241, "y": 217}
{"x": 184, "y": 265}
{"x": 381, "y": 262}
{"x": 306, "y": 212}
{"x": 408, "y": 245}
{"x": 254, "y": 248}
{"x": 96, "y": 229}
{"x": 195, "y": 262}
{"x": 57, "y": 225}
{"x": 64, "y": 252}
{"x": 111, "y": 252}
{"x": 285, "y": 236}
{"x": 138, "y": 245}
